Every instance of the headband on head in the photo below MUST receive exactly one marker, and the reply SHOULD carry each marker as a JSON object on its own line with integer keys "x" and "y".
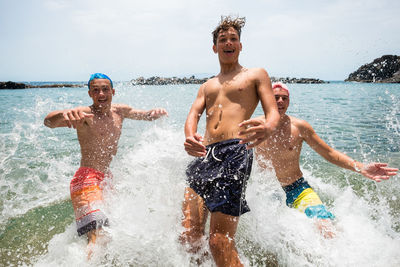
{"x": 99, "y": 76}
{"x": 281, "y": 86}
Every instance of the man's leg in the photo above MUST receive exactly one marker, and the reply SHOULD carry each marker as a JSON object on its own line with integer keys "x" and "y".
{"x": 194, "y": 219}
{"x": 326, "y": 228}
{"x": 92, "y": 236}
{"x": 222, "y": 239}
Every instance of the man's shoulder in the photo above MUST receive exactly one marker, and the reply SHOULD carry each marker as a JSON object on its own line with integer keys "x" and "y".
{"x": 257, "y": 71}
{"x": 296, "y": 121}
{"x": 119, "y": 105}
{"x": 257, "y": 74}
{"x": 120, "y": 108}
{"x": 210, "y": 81}
{"x": 300, "y": 123}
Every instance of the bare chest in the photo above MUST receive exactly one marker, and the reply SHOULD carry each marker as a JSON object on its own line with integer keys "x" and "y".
{"x": 108, "y": 128}
{"x": 104, "y": 131}
{"x": 284, "y": 145}
{"x": 233, "y": 91}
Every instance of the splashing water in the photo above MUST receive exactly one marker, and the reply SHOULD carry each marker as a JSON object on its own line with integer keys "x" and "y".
{"x": 144, "y": 204}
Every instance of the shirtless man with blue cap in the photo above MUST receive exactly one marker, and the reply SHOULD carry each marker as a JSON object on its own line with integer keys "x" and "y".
{"x": 98, "y": 128}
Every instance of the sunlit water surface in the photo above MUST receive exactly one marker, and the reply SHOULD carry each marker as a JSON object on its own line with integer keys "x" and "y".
{"x": 37, "y": 163}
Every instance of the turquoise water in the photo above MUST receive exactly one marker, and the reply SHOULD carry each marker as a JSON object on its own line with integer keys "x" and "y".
{"x": 37, "y": 223}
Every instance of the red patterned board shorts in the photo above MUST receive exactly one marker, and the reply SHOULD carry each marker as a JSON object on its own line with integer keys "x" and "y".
{"x": 87, "y": 199}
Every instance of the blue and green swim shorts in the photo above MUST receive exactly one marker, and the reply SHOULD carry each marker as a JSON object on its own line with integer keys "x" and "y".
{"x": 301, "y": 196}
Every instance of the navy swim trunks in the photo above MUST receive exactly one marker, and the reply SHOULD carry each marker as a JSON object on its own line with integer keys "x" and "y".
{"x": 221, "y": 176}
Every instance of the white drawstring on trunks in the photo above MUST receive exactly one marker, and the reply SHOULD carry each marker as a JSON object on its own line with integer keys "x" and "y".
{"x": 212, "y": 154}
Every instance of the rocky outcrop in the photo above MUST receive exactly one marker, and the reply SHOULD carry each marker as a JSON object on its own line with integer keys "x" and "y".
{"x": 194, "y": 80}
{"x": 385, "y": 69}
{"x": 297, "y": 80}
{"x": 164, "y": 81}
{"x": 14, "y": 85}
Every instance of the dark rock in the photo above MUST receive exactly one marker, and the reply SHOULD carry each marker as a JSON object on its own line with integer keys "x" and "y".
{"x": 394, "y": 79}
{"x": 194, "y": 80}
{"x": 297, "y": 80}
{"x": 385, "y": 69}
{"x": 164, "y": 81}
{"x": 12, "y": 85}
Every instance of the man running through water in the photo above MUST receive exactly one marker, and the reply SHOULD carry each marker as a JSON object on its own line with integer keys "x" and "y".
{"x": 98, "y": 128}
{"x": 217, "y": 178}
{"x": 283, "y": 150}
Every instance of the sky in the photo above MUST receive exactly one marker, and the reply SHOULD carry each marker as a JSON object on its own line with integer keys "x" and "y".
{"x": 67, "y": 40}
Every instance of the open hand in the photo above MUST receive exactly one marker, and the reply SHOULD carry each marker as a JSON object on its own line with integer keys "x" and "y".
{"x": 156, "y": 113}
{"x": 75, "y": 117}
{"x": 378, "y": 171}
{"x": 194, "y": 147}
{"x": 256, "y": 132}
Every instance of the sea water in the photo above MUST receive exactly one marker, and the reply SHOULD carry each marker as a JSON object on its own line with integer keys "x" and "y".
{"x": 37, "y": 224}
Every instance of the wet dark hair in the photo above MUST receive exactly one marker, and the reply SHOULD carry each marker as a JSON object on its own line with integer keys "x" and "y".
{"x": 227, "y": 22}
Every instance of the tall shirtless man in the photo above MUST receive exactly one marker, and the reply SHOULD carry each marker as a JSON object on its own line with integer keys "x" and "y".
{"x": 217, "y": 178}
{"x": 98, "y": 128}
{"x": 283, "y": 150}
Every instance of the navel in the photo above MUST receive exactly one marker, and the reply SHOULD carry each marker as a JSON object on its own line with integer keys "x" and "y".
{"x": 219, "y": 120}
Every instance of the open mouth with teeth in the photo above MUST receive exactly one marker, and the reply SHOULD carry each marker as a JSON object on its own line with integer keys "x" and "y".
{"x": 281, "y": 108}
{"x": 229, "y": 51}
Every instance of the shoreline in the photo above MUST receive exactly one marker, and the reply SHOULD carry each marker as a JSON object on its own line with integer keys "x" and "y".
{"x": 167, "y": 81}
{"x": 154, "y": 80}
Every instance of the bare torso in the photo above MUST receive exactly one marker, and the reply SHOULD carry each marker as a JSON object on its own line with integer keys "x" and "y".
{"x": 283, "y": 150}
{"x": 230, "y": 99}
{"x": 99, "y": 139}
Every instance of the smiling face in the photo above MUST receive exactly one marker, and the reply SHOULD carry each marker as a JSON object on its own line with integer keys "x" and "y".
{"x": 228, "y": 45}
{"x": 282, "y": 100}
{"x": 101, "y": 92}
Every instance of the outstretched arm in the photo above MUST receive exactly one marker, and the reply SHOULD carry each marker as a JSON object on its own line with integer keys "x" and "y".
{"x": 374, "y": 171}
{"x": 193, "y": 142}
{"x": 137, "y": 114}
{"x": 257, "y": 130}
{"x": 377, "y": 171}
{"x": 68, "y": 117}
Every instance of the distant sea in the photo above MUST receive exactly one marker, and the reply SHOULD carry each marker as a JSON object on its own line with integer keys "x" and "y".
{"x": 37, "y": 163}
{"x": 57, "y": 82}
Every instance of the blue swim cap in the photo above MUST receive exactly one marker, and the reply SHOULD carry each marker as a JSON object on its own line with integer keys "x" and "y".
{"x": 99, "y": 76}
